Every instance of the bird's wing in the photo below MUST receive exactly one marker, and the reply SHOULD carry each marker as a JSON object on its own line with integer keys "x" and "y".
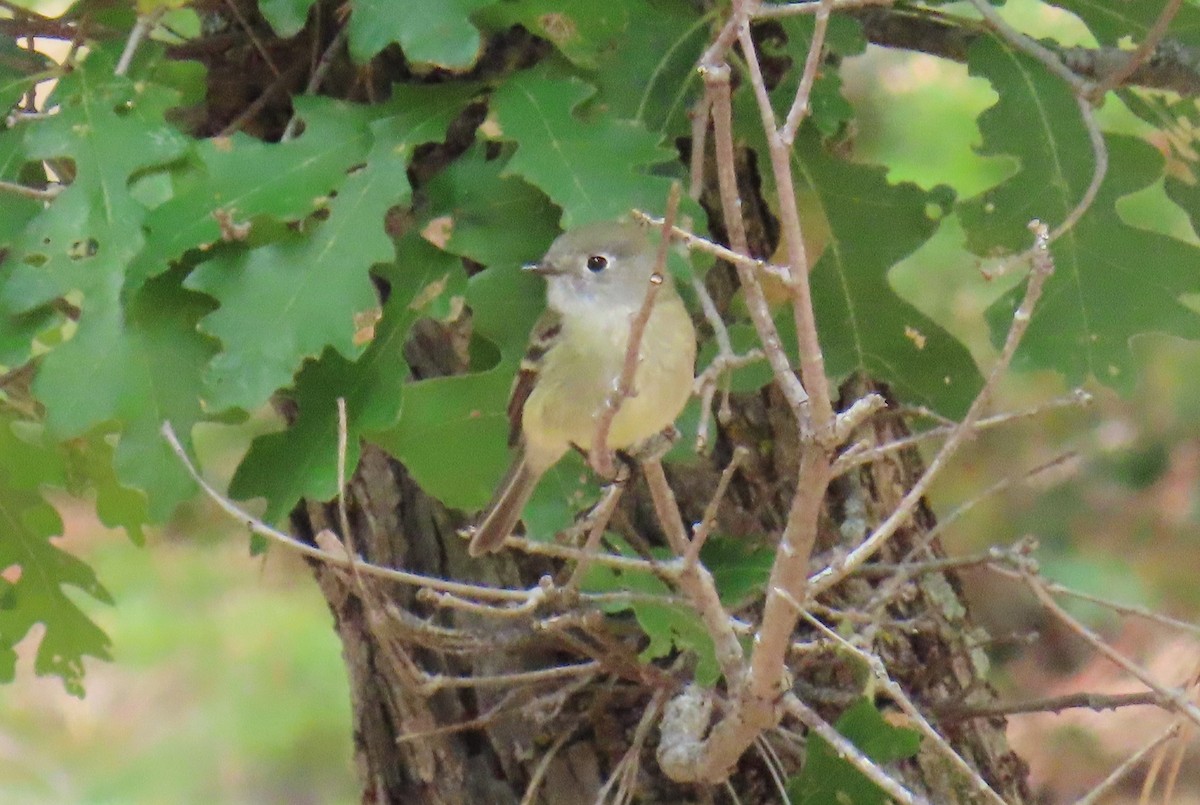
{"x": 547, "y": 329}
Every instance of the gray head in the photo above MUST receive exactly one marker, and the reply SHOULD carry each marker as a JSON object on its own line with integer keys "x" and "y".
{"x": 605, "y": 265}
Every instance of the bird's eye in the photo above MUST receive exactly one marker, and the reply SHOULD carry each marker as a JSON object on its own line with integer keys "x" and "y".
{"x": 597, "y": 263}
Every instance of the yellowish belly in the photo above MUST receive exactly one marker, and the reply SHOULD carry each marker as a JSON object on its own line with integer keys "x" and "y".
{"x": 580, "y": 373}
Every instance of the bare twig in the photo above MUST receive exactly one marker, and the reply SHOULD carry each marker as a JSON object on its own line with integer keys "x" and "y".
{"x": 800, "y": 104}
{"x": 601, "y": 515}
{"x": 318, "y": 75}
{"x": 706, "y": 524}
{"x": 1131, "y": 763}
{"x": 624, "y": 774}
{"x": 716, "y": 80}
{"x": 1178, "y": 701}
{"x": 1139, "y": 54}
{"x": 336, "y": 559}
{"x": 600, "y": 457}
{"x": 766, "y": 11}
{"x": 1054, "y": 588}
{"x": 812, "y": 360}
{"x": 692, "y": 241}
{"x": 809, "y": 717}
{"x": 916, "y": 717}
{"x": 145, "y": 23}
{"x": 46, "y": 195}
{"x": 694, "y": 579}
{"x": 851, "y": 459}
{"x": 1043, "y": 266}
{"x": 961, "y": 711}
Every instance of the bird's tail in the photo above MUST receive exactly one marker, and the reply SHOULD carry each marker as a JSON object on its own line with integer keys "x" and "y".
{"x": 502, "y": 514}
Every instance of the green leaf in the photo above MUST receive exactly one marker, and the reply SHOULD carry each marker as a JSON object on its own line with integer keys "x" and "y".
{"x": 18, "y": 211}
{"x": 301, "y": 461}
{"x": 307, "y": 292}
{"x": 830, "y": 779}
{"x": 491, "y": 218}
{"x": 243, "y": 178}
{"x": 41, "y": 570}
{"x": 669, "y": 627}
{"x": 93, "y": 460}
{"x": 863, "y": 325}
{"x": 640, "y": 55}
{"x": 108, "y": 128}
{"x": 437, "y": 34}
{"x": 17, "y": 67}
{"x": 286, "y": 17}
{"x": 453, "y": 431}
{"x": 1113, "y": 22}
{"x": 1112, "y": 282}
{"x": 557, "y": 150}
{"x": 1037, "y": 120}
{"x": 1187, "y": 196}
{"x": 739, "y": 571}
{"x": 139, "y": 366}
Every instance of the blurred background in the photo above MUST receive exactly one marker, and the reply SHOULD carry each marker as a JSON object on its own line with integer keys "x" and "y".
{"x": 227, "y": 683}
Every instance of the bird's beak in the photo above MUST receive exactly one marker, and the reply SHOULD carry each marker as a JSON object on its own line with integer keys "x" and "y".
{"x": 543, "y": 268}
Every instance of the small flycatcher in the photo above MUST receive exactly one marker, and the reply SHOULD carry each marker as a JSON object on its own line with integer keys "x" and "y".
{"x": 597, "y": 278}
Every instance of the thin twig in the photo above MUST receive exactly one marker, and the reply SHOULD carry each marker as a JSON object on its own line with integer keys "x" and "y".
{"x": 800, "y": 104}
{"x": 851, "y": 753}
{"x": 1042, "y": 268}
{"x": 702, "y": 530}
{"x": 46, "y": 195}
{"x": 625, "y": 771}
{"x": 336, "y": 559}
{"x": 601, "y": 514}
{"x": 600, "y": 457}
{"x": 691, "y": 241}
{"x": 1139, "y": 54}
{"x": 961, "y": 711}
{"x": 716, "y": 80}
{"x": 318, "y": 76}
{"x": 145, "y": 23}
{"x": 916, "y": 717}
{"x": 849, "y": 460}
{"x": 694, "y": 579}
{"x": 516, "y": 678}
{"x": 254, "y": 39}
{"x": 1131, "y": 763}
{"x": 1177, "y": 699}
{"x": 812, "y": 359}
{"x": 766, "y": 11}
{"x": 1054, "y": 588}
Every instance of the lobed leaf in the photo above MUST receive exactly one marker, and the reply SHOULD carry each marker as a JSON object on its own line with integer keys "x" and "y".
{"x": 557, "y": 153}
{"x": 437, "y": 34}
{"x": 1112, "y": 281}
{"x": 31, "y": 591}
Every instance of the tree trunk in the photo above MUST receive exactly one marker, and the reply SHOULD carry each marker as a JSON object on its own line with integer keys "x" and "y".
{"x": 485, "y": 745}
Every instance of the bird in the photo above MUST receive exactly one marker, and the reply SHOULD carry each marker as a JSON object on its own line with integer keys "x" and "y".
{"x": 597, "y": 280}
